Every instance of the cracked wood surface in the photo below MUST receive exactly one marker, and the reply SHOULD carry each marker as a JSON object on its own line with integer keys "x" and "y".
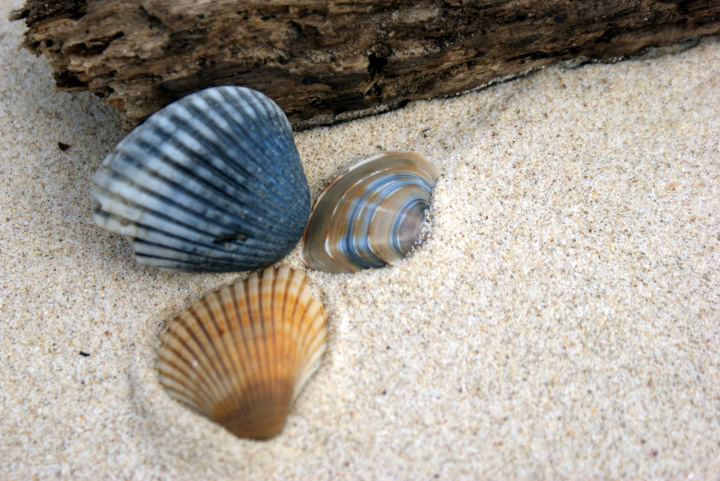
{"x": 322, "y": 61}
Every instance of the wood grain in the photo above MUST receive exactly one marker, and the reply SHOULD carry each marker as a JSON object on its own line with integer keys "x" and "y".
{"x": 327, "y": 60}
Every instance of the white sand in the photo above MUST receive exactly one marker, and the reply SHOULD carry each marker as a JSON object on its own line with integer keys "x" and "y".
{"x": 561, "y": 322}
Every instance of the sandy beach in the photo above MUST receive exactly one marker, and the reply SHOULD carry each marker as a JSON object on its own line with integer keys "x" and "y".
{"x": 562, "y": 320}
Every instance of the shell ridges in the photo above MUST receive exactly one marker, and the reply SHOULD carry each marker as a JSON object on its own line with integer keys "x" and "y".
{"x": 240, "y": 355}
{"x": 212, "y": 182}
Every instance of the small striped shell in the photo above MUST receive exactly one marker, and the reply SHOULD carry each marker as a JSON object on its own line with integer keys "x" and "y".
{"x": 212, "y": 182}
{"x": 240, "y": 355}
{"x": 371, "y": 216}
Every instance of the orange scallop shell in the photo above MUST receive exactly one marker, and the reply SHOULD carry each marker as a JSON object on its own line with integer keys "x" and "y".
{"x": 240, "y": 355}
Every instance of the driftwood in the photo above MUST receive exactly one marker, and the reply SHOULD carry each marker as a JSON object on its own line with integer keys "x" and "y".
{"x": 327, "y": 60}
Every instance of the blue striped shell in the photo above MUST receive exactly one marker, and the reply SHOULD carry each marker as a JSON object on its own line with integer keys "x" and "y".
{"x": 212, "y": 182}
{"x": 371, "y": 216}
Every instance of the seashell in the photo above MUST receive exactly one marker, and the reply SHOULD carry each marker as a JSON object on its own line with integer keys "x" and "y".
{"x": 212, "y": 182}
{"x": 240, "y": 355}
{"x": 371, "y": 216}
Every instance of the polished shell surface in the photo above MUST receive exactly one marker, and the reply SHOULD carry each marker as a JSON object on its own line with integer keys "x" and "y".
{"x": 212, "y": 182}
{"x": 371, "y": 216}
{"x": 240, "y": 355}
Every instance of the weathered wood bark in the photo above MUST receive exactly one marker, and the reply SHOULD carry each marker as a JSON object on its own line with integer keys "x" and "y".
{"x": 318, "y": 59}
